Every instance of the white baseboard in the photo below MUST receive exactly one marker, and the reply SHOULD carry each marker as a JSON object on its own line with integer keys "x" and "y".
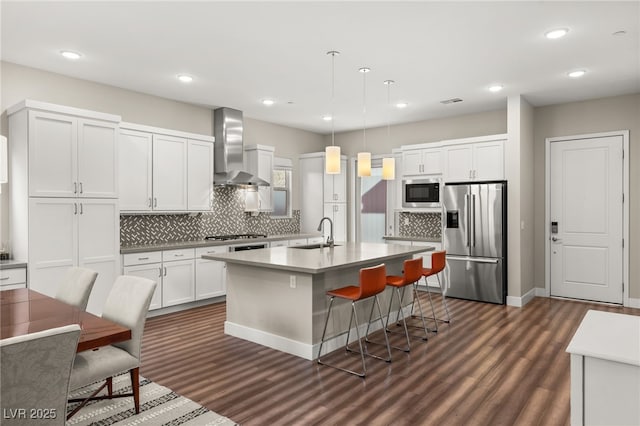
{"x": 634, "y": 303}
{"x": 541, "y": 292}
{"x": 519, "y": 302}
{"x": 301, "y": 349}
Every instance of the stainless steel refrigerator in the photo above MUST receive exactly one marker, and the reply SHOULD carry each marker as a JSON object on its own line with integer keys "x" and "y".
{"x": 475, "y": 238}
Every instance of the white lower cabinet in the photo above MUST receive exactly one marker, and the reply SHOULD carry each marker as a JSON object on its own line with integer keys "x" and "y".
{"x": 280, "y": 243}
{"x": 178, "y": 282}
{"x": 11, "y": 279}
{"x": 152, "y": 271}
{"x": 211, "y": 276}
{"x": 297, "y": 242}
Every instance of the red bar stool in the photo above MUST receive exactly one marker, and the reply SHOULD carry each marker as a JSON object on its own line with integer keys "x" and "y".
{"x": 438, "y": 263}
{"x": 411, "y": 275}
{"x": 372, "y": 283}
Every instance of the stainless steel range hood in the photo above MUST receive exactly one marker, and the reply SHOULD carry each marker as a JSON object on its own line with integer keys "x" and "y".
{"x": 229, "y": 150}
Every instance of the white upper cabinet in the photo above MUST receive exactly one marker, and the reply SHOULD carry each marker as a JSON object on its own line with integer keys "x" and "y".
{"x": 335, "y": 186}
{"x": 478, "y": 161}
{"x": 135, "y": 170}
{"x": 71, "y": 156}
{"x": 259, "y": 161}
{"x": 164, "y": 170}
{"x": 199, "y": 175}
{"x": 417, "y": 162}
{"x": 169, "y": 173}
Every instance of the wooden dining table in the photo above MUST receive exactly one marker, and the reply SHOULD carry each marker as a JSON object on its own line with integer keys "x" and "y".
{"x": 24, "y": 311}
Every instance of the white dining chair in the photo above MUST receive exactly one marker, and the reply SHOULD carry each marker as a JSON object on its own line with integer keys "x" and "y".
{"x": 127, "y": 305}
{"x": 34, "y": 378}
{"x": 76, "y": 286}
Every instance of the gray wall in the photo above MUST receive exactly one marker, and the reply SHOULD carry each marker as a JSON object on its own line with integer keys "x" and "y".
{"x": 577, "y": 118}
{"x": 19, "y": 83}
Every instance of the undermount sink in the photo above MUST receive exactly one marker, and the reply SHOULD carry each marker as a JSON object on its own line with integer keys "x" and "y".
{"x": 314, "y": 246}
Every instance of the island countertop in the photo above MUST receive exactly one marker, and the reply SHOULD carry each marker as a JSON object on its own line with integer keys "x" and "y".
{"x": 319, "y": 260}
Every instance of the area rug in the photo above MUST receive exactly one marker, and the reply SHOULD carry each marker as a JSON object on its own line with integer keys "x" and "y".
{"x": 158, "y": 406}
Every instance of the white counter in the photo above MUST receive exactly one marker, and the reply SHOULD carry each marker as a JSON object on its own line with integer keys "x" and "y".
{"x": 605, "y": 370}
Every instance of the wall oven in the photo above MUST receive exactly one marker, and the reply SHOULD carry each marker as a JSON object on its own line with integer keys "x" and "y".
{"x": 421, "y": 193}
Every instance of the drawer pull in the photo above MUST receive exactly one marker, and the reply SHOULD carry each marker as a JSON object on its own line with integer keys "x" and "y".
{"x": 4, "y": 278}
{"x": 143, "y": 258}
{"x": 178, "y": 255}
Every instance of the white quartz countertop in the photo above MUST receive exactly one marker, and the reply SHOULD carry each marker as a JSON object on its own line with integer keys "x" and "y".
{"x": 319, "y": 260}
{"x": 609, "y": 336}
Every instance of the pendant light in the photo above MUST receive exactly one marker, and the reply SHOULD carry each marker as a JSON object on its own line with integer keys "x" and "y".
{"x": 389, "y": 163}
{"x": 364, "y": 157}
{"x": 332, "y": 153}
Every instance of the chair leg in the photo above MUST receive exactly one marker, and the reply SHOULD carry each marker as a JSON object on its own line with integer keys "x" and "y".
{"x": 366, "y": 336}
{"x": 404, "y": 322}
{"x": 386, "y": 339}
{"x": 433, "y": 311}
{"x": 444, "y": 301}
{"x": 110, "y": 386}
{"x": 326, "y": 321}
{"x": 135, "y": 386}
{"x": 421, "y": 316}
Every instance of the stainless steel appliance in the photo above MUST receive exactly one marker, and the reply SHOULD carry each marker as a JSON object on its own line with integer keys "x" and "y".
{"x": 418, "y": 193}
{"x": 475, "y": 238}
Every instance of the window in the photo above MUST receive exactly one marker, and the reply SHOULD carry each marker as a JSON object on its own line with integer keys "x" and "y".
{"x": 281, "y": 184}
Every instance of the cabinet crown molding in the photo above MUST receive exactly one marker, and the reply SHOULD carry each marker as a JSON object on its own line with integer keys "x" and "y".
{"x": 62, "y": 109}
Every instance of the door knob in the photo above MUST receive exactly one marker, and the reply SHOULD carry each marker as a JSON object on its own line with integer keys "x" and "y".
{"x": 556, "y": 240}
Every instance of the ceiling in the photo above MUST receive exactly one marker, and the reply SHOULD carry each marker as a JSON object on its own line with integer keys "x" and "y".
{"x": 240, "y": 53}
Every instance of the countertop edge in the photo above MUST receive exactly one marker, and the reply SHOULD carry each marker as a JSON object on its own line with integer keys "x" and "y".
{"x": 424, "y": 239}
{"x": 12, "y": 264}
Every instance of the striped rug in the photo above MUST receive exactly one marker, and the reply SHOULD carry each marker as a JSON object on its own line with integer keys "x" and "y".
{"x": 158, "y": 406}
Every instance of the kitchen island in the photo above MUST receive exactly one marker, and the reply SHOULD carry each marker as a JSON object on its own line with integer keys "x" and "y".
{"x": 276, "y": 297}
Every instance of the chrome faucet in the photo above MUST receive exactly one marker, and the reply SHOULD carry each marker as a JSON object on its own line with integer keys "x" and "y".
{"x": 330, "y": 238}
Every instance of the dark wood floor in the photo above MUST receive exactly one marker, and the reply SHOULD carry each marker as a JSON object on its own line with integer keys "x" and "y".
{"x": 494, "y": 365}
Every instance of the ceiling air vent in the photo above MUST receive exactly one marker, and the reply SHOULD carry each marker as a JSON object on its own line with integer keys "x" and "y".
{"x": 451, "y": 101}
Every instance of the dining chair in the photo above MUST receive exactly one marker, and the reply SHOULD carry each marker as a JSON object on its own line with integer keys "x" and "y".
{"x": 76, "y": 286}
{"x": 127, "y": 305}
{"x": 34, "y": 375}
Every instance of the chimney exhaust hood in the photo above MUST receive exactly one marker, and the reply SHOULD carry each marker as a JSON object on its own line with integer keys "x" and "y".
{"x": 229, "y": 150}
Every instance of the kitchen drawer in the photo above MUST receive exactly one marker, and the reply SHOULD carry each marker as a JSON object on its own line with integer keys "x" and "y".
{"x": 142, "y": 258}
{"x": 315, "y": 240}
{"x": 13, "y": 276}
{"x": 211, "y": 250}
{"x": 181, "y": 254}
{"x": 279, "y": 243}
{"x": 300, "y": 242}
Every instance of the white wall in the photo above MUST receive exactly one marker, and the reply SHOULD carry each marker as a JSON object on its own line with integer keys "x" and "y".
{"x": 576, "y": 118}
{"x": 19, "y": 83}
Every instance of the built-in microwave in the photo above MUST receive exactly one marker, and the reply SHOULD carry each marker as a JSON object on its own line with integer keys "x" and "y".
{"x": 418, "y": 193}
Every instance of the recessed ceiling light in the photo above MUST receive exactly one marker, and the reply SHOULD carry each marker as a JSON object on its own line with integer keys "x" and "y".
{"x": 185, "y": 78}
{"x": 402, "y": 105}
{"x": 496, "y": 88}
{"x": 70, "y": 55}
{"x": 576, "y": 73}
{"x": 364, "y": 69}
{"x": 327, "y": 118}
{"x": 557, "y": 33}
{"x": 268, "y": 102}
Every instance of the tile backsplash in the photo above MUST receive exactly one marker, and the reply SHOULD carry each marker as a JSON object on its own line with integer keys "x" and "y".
{"x": 420, "y": 225}
{"x": 227, "y": 217}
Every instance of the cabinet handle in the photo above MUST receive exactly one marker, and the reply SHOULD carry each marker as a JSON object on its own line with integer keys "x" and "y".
{"x": 178, "y": 255}
{"x": 75, "y": 187}
{"x": 75, "y": 208}
{"x": 160, "y": 271}
{"x": 81, "y": 187}
{"x": 475, "y": 174}
{"x": 143, "y": 258}
{"x": 149, "y": 201}
{"x": 81, "y": 210}
{"x": 4, "y": 278}
{"x": 155, "y": 202}
{"x": 165, "y": 271}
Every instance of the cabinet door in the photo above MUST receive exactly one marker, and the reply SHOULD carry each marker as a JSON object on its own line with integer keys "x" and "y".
{"x": 211, "y": 276}
{"x": 458, "y": 163}
{"x": 432, "y": 160}
{"x": 99, "y": 246}
{"x": 53, "y": 155}
{"x": 199, "y": 175}
{"x": 169, "y": 173}
{"x": 152, "y": 272}
{"x": 327, "y": 180}
{"x": 178, "y": 282}
{"x": 412, "y": 162}
{"x": 489, "y": 161}
{"x": 340, "y": 183}
{"x": 53, "y": 242}
{"x": 338, "y": 214}
{"x": 281, "y": 243}
{"x": 97, "y": 159}
{"x": 135, "y": 171}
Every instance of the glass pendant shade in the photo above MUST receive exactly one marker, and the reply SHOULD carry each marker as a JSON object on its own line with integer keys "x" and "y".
{"x": 364, "y": 164}
{"x": 388, "y": 168}
{"x": 332, "y": 160}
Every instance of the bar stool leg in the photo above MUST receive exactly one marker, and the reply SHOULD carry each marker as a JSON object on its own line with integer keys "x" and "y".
{"x": 404, "y": 322}
{"x": 433, "y": 311}
{"x": 366, "y": 337}
{"x": 444, "y": 301}
{"x": 326, "y": 321}
{"x": 421, "y": 316}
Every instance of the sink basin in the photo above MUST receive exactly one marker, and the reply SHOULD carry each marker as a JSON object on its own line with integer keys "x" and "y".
{"x": 314, "y": 246}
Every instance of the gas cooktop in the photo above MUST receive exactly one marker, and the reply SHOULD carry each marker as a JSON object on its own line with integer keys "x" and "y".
{"x": 234, "y": 237}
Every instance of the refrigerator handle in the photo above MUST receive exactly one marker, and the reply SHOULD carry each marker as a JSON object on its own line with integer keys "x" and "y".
{"x": 468, "y": 236}
{"x": 473, "y": 220}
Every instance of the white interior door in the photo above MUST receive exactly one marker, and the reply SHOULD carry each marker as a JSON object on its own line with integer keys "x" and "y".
{"x": 586, "y": 210}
